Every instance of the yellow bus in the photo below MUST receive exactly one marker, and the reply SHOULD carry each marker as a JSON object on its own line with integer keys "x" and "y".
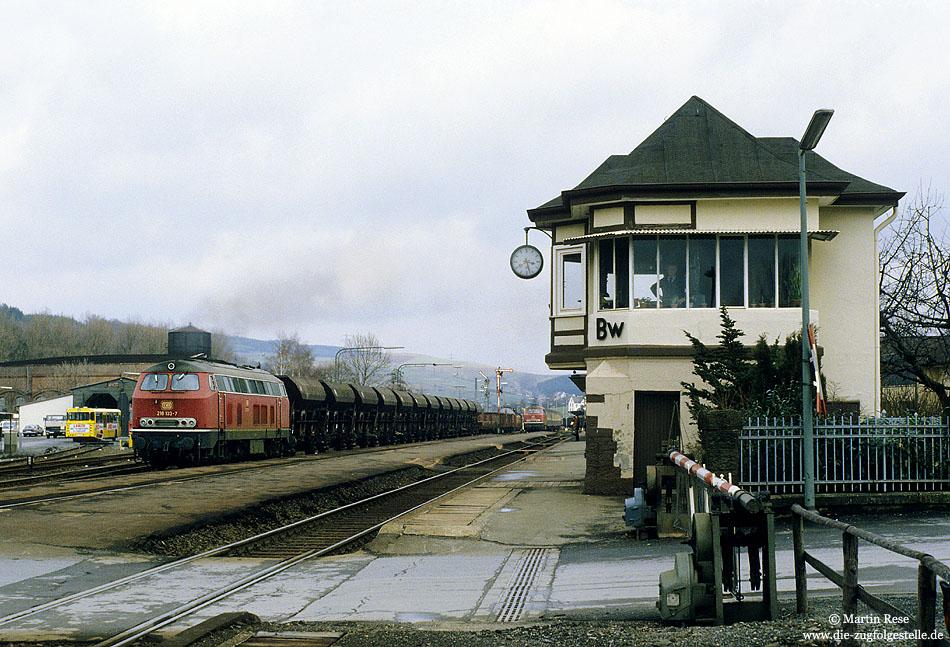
{"x": 84, "y": 424}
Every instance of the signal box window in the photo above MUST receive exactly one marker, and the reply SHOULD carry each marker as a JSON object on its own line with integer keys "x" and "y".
{"x": 614, "y": 255}
{"x": 670, "y": 287}
{"x": 789, "y": 272}
{"x": 570, "y": 285}
{"x": 732, "y": 270}
{"x": 154, "y": 382}
{"x": 702, "y": 271}
{"x": 762, "y": 271}
{"x": 644, "y": 272}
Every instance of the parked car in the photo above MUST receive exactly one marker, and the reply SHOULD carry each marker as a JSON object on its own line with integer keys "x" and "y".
{"x": 55, "y": 425}
{"x": 32, "y": 430}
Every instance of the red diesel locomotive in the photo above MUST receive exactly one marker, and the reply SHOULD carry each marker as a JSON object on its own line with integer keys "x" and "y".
{"x": 198, "y": 411}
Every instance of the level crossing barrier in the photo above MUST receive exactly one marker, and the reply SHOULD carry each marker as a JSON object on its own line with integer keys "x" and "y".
{"x": 723, "y": 519}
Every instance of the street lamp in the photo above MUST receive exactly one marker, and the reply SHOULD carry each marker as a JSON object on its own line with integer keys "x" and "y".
{"x": 336, "y": 358}
{"x": 816, "y": 127}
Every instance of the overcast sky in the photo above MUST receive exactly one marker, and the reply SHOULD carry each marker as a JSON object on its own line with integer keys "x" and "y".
{"x": 326, "y": 168}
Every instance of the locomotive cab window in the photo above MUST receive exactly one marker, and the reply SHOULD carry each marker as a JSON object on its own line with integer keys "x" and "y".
{"x": 185, "y": 382}
{"x": 154, "y": 382}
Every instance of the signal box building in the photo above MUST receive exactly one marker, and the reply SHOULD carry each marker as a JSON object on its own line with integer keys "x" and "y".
{"x": 703, "y": 214}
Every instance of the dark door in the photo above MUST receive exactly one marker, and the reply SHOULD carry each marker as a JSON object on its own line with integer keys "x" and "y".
{"x": 656, "y": 418}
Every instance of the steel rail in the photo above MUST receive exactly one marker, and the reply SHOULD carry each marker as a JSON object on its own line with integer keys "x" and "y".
{"x": 248, "y": 540}
{"x": 14, "y": 464}
{"x": 76, "y": 470}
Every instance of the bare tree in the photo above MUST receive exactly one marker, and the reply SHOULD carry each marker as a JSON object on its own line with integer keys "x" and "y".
{"x": 915, "y": 298}
{"x": 100, "y": 335}
{"x": 364, "y": 362}
{"x": 137, "y": 337}
{"x": 291, "y": 357}
{"x": 323, "y": 371}
{"x": 221, "y": 348}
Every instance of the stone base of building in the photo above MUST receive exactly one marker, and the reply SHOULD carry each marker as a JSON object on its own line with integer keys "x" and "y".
{"x": 602, "y": 477}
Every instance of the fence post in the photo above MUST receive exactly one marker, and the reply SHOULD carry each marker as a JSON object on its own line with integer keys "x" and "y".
{"x": 926, "y": 604}
{"x": 849, "y": 586}
{"x": 798, "y": 545}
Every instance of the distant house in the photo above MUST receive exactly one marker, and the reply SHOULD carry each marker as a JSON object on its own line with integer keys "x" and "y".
{"x": 702, "y": 214}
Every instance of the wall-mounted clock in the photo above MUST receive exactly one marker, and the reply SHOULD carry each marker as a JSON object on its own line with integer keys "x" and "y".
{"x": 526, "y": 261}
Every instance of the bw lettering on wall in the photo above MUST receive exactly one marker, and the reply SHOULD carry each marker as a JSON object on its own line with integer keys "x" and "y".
{"x": 605, "y": 328}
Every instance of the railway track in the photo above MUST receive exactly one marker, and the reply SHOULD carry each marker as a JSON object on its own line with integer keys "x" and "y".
{"x": 71, "y": 464}
{"x": 310, "y": 538}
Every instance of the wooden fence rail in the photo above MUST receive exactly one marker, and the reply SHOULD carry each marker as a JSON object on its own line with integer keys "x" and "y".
{"x": 852, "y": 591}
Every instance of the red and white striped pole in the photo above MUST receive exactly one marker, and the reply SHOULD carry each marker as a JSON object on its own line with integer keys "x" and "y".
{"x": 745, "y": 499}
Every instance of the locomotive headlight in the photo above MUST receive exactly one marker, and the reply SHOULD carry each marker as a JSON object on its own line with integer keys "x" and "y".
{"x": 672, "y": 599}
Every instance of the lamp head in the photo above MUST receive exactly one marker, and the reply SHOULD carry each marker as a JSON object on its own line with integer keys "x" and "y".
{"x": 816, "y": 128}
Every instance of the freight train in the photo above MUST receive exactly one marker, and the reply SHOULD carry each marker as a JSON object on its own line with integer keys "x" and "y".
{"x": 194, "y": 411}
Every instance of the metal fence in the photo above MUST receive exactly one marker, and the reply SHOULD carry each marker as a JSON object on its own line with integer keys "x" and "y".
{"x": 852, "y": 455}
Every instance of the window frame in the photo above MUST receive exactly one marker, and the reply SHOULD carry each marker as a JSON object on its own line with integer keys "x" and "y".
{"x": 558, "y": 288}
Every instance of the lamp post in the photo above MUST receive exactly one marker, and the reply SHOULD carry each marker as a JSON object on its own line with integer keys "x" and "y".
{"x": 336, "y": 357}
{"x": 816, "y": 127}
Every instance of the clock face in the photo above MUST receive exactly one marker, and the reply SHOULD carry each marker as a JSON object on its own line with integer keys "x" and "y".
{"x": 526, "y": 262}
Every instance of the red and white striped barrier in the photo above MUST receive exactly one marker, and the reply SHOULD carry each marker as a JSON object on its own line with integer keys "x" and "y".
{"x": 747, "y": 501}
